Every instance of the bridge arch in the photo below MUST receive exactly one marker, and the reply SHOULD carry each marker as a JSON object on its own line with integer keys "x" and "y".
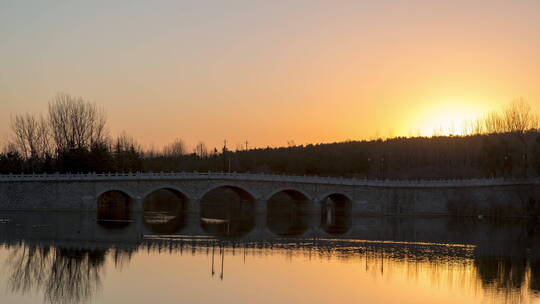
{"x": 227, "y": 210}
{"x": 326, "y": 195}
{"x": 294, "y": 193}
{"x": 177, "y": 191}
{"x": 164, "y": 210}
{"x": 114, "y": 209}
{"x": 131, "y": 195}
{"x": 288, "y": 212}
{"x": 336, "y": 213}
{"x": 240, "y": 191}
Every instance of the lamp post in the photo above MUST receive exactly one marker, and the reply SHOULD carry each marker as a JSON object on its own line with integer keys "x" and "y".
{"x": 525, "y": 165}
{"x": 369, "y": 166}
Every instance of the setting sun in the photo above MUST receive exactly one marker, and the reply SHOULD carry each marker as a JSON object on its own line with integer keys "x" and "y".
{"x": 448, "y": 117}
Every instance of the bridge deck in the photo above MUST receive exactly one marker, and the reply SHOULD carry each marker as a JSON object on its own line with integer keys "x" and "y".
{"x": 421, "y": 183}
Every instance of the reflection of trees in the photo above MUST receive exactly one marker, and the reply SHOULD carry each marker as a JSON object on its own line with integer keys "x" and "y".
{"x": 507, "y": 263}
{"x": 535, "y": 275}
{"x": 63, "y": 275}
{"x": 28, "y": 267}
{"x": 502, "y": 273}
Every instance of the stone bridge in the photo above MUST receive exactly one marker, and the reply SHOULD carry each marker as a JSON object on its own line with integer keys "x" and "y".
{"x": 410, "y": 197}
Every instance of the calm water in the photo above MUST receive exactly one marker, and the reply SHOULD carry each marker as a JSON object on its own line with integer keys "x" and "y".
{"x": 234, "y": 256}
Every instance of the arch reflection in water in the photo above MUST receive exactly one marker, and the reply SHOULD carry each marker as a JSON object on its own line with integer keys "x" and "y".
{"x": 287, "y": 213}
{"x": 113, "y": 210}
{"x": 336, "y": 214}
{"x": 164, "y": 211}
{"x": 227, "y": 211}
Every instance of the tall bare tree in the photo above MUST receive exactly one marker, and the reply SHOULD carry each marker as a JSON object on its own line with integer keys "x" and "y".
{"x": 518, "y": 117}
{"x": 201, "y": 150}
{"x": 75, "y": 123}
{"x": 31, "y": 135}
{"x": 175, "y": 149}
{"x": 125, "y": 142}
{"x": 493, "y": 123}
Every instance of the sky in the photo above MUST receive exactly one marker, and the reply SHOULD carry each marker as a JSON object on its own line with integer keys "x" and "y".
{"x": 270, "y": 72}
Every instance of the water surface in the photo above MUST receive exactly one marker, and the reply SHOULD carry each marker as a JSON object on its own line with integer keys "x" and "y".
{"x": 236, "y": 256}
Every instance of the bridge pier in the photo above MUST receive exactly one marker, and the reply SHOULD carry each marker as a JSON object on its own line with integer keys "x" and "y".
{"x": 313, "y": 218}
{"x": 194, "y": 208}
{"x": 193, "y": 217}
{"x": 261, "y": 214}
{"x": 137, "y": 204}
{"x": 138, "y": 221}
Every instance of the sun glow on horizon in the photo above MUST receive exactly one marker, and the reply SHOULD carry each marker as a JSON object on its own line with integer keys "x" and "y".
{"x": 450, "y": 119}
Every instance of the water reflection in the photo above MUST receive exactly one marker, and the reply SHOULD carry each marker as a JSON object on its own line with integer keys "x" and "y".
{"x": 227, "y": 211}
{"x": 336, "y": 214}
{"x": 509, "y": 262}
{"x": 164, "y": 211}
{"x": 64, "y": 275}
{"x": 288, "y": 213}
{"x": 65, "y": 256}
{"x": 113, "y": 210}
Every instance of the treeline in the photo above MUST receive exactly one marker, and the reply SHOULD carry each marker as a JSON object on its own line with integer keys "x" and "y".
{"x": 474, "y": 156}
{"x": 72, "y": 138}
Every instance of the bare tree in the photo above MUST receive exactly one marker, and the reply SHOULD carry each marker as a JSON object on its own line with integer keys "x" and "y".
{"x": 477, "y": 127}
{"x": 75, "y": 123}
{"x": 493, "y": 123}
{"x": 201, "y": 150}
{"x": 518, "y": 117}
{"x": 125, "y": 142}
{"x": 151, "y": 152}
{"x": 239, "y": 146}
{"x": 31, "y": 135}
{"x": 9, "y": 148}
{"x": 175, "y": 149}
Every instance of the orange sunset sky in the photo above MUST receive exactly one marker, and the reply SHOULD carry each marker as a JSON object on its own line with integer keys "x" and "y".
{"x": 271, "y": 71}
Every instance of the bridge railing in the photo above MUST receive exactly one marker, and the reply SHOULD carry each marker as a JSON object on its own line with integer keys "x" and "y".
{"x": 265, "y": 178}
